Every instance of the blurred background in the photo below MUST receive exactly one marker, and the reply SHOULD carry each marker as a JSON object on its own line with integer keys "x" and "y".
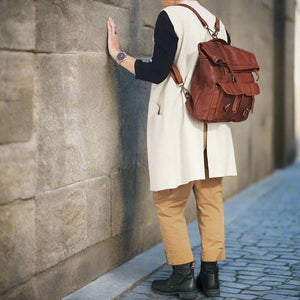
{"x": 74, "y": 190}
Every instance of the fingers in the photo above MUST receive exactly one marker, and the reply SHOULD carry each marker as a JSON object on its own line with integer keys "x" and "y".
{"x": 113, "y": 26}
{"x": 112, "y": 38}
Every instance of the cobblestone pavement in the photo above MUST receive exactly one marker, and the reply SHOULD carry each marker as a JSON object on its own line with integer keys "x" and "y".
{"x": 262, "y": 249}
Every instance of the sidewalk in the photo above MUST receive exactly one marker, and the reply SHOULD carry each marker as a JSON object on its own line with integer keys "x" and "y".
{"x": 262, "y": 226}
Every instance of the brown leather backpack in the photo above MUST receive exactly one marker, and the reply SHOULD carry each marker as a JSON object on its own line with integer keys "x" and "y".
{"x": 222, "y": 85}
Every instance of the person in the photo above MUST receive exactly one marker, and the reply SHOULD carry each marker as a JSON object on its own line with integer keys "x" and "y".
{"x": 183, "y": 153}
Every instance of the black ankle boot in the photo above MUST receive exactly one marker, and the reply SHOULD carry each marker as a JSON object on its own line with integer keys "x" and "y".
{"x": 208, "y": 279}
{"x": 182, "y": 282}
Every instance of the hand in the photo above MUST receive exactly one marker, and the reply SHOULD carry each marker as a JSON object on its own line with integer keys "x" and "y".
{"x": 112, "y": 38}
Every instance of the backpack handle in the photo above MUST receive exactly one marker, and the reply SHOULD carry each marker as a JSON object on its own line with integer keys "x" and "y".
{"x": 204, "y": 23}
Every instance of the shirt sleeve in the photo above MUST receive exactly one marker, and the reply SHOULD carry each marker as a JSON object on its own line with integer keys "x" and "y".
{"x": 165, "y": 46}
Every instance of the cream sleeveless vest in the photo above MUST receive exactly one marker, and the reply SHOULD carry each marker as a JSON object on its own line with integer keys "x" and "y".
{"x": 174, "y": 138}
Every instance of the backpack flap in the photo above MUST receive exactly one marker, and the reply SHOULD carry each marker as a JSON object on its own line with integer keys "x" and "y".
{"x": 237, "y": 59}
{"x": 237, "y": 91}
{"x": 250, "y": 89}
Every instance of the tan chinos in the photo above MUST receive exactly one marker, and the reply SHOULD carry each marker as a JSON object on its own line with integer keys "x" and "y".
{"x": 170, "y": 204}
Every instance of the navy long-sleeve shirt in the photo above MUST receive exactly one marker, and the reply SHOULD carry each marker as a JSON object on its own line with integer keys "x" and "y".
{"x": 165, "y": 46}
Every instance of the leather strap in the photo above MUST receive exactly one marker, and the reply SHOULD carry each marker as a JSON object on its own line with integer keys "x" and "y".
{"x": 203, "y": 22}
{"x": 196, "y": 13}
{"x": 175, "y": 74}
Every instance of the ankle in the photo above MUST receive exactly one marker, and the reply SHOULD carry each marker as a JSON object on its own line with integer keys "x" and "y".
{"x": 209, "y": 266}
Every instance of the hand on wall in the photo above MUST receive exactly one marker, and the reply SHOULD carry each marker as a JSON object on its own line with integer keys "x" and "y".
{"x": 112, "y": 38}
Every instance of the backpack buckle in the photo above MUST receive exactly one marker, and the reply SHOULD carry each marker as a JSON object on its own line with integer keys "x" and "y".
{"x": 184, "y": 91}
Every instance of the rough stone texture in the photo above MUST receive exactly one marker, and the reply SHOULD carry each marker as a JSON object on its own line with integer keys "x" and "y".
{"x": 17, "y": 172}
{"x": 71, "y": 273}
{"x": 289, "y": 128}
{"x": 26, "y": 291}
{"x": 60, "y": 224}
{"x": 17, "y": 24}
{"x": 76, "y": 26}
{"x": 16, "y": 90}
{"x": 297, "y": 77}
{"x": 78, "y": 135}
{"x": 141, "y": 32}
{"x": 98, "y": 210}
{"x": 70, "y": 219}
{"x": 17, "y": 243}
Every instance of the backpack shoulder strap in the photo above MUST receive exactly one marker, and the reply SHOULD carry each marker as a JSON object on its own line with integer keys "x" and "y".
{"x": 175, "y": 74}
{"x": 203, "y": 22}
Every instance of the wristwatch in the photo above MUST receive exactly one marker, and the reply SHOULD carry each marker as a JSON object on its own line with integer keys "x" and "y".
{"x": 121, "y": 57}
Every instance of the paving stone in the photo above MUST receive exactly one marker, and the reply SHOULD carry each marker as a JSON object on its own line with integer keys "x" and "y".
{"x": 142, "y": 289}
{"x": 236, "y": 285}
{"x": 278, "y": 297}
{"x": 254, "y": 293}
{"x": 269, "y": 283}
{"x": 227, "y": 278}
{"x": 260, "y": 288}
{"x": 285, "y": 292}
{"x": 252, "y": 282}
{"x": 235, "y": 296}
{"x": 295, "y": 282}
{"x": 230, "y": 290}
{"x": 246, "y": 296}
{"x": 247, "y": 277}
{"x": 273, "y": 278}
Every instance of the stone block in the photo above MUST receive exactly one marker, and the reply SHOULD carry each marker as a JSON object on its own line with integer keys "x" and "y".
{"x": 17, "y": 172}
{"x": 17, "y": 24}
{"x": 80, "y": 269}
{"x": 125, "y": 205}
{"x": 60, "y": 225}
{"x": 142, "y": 30}
{"x": 78, "y": 26}
{"x": 70, "y": 219}
{"x": 118, "y": 3}
{"x": 98, "y": 209}
{"x": 25, "y": 291}
{"x": 17, "y": 243}
{"x": 149, "y": 11}
{"x": 78, "y": 113}
{"x": 16, "y": 89}
{"x": 72, "y": 273}
{"x": 149, "y": 225}
{"x": 242, "y": 147}
{"x": 133, "y": 109}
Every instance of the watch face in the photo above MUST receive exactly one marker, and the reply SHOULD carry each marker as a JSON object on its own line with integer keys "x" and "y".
{"x": 121, "y": 56}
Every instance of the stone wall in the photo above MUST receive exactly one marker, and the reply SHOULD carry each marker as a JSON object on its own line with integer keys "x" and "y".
{"x": 297, "y": 77}
{"x": 74, "y": 193}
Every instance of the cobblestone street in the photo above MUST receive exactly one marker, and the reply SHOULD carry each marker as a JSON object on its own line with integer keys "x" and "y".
{"x": 262, "y": 247}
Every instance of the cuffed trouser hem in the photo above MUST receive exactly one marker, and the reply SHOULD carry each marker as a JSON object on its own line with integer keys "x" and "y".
{"x": 176, "y": 258}
{"x": 213, "y": 255}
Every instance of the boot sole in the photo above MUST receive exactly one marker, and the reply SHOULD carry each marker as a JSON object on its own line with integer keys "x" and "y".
{"x": 181, "y": 295}
{"x": 210, "y": 292}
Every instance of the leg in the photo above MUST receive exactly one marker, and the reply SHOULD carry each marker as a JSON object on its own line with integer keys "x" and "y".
{"x": 208, "y": 194}
{"x": 169, "y": 206}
